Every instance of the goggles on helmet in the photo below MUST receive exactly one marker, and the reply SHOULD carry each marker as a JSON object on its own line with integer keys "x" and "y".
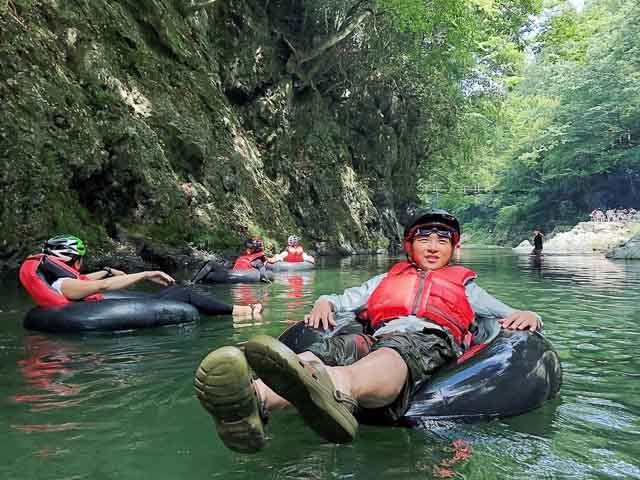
{"x": 255, "y": 244}
{"x": 443, "y": 231}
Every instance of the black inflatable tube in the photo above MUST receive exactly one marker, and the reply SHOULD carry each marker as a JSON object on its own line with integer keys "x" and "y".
{"x": 515, "y": 373}
{"x": 236, "y": 276}
{"x": 291, "y": 266}
{"x": 118, "y": 311}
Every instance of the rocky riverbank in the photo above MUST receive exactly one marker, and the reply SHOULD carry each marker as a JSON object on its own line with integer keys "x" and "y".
{"x": 589, "y": 238}
{"x": 629, "y": 250}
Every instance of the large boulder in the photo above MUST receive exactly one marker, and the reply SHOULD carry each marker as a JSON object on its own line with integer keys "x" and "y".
{"x": 524, "y": 246}
{"x": 629, "y": 250}
{"x": 587, "y": 238}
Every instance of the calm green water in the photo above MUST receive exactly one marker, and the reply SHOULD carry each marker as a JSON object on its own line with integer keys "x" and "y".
{"x": 121, "y": 406}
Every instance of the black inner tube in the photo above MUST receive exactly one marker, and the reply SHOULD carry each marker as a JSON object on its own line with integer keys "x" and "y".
{"x": 118, "y": 311}
{"x": 516, "y": 372}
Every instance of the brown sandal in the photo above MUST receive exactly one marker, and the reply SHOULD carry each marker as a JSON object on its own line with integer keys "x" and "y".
{"x": 307, "y": 385}
{"x": 224, "y": 385}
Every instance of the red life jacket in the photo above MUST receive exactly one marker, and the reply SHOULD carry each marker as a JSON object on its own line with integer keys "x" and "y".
{"x": 243, "y": 262}
{"x": 294, "y": 254}
{"x": 37, "y": 274}
{"x": 437, "y": 295}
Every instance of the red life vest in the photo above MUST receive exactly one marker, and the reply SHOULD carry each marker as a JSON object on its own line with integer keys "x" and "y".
{"x": 294, "y": 254}
{"x": 39, "y": 271}
{"x": 437, "y": 295}
{"x": 243, "y": 262}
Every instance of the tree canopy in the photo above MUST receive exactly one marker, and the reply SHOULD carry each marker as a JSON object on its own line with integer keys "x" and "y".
{"x": 565, "y": 136}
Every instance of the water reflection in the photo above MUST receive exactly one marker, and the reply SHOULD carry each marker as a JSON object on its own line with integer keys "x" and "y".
{"x": 249, "y": 293}
{"x": 590, "y": 270}
{"x": 45, "y": 371}
{"x": 298, "y": 287}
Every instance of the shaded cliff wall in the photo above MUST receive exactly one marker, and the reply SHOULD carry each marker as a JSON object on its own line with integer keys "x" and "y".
{"x": 138, "y": 118}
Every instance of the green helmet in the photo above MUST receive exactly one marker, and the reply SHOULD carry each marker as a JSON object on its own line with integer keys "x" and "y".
{"x": 65, "y": 247}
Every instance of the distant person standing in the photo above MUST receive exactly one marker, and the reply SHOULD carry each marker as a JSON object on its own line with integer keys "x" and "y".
{"x": 537, "y": 242}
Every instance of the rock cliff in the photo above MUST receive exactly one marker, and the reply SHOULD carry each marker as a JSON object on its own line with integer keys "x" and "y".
{"x": 151, "y": 119}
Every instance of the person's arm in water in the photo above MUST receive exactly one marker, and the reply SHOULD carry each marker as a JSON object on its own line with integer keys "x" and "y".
{"x": 308, "y": 258}
{"x": 352, "y": 300}
{"x": 486, "y": 305}
{"x": 279, "y": 257}
{"x": 74, "y": 289}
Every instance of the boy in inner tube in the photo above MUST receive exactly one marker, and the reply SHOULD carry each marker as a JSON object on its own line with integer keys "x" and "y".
{"x": 418, "y": 315}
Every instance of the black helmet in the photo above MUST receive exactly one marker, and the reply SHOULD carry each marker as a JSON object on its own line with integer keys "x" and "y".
{"x": 65, "y": 247}
{"x": 254, "y": 244}
{"x": 433, "y": 217}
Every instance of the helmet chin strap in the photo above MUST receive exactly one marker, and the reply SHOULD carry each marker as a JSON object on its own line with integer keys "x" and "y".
{"x": 64, "y": 258}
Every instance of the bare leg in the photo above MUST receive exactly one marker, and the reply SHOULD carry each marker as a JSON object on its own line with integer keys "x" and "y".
{"x": 247, "y": 310}
{"x": 374, "y": 381}
{"x": 273, "y": 401}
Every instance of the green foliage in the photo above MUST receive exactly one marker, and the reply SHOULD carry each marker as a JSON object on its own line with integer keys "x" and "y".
{"x": 571, "y": 120}
{"x": 216, "y": 240}
{"x": 77, "y": 221}
{"x": 567, "y": 38}
{"x": 173, "y": 230}
{"x": 507, "y": 216}
{"x": 434, "y": 53}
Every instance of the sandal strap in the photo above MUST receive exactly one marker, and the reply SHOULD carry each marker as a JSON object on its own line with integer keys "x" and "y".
{"x": 262, "y": 407}
{"x": 319, "y": 371}
{"x": 262, "y": 410}
{"x": 349, "y": 402}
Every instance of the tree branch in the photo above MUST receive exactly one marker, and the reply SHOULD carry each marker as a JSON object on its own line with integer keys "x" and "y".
{"x": 336, "y": 38}
{"x": 10, "y": 8}
{"x": 198, "y": 6}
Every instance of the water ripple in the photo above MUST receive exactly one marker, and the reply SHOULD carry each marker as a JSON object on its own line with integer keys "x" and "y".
{"x": 122, "y": 406}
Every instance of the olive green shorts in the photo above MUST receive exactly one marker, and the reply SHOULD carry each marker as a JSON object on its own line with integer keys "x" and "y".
{"x": 423, "y": 352}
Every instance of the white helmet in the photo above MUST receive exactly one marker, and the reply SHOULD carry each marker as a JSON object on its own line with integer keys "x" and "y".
{"x": 293, "y": 240}
{"x": 65, "y": 247}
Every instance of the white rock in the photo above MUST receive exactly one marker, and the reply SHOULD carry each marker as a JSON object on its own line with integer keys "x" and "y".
{"x": 524, "y": 245}
{"x": 628, "y": 250}
{"x": 586, "y": 238}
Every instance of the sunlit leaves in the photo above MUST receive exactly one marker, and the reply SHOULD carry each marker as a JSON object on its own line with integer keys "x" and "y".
{"x": 572, "y": 116}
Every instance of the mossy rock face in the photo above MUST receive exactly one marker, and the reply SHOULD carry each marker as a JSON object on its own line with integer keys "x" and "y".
{"x": 134, "y": 117}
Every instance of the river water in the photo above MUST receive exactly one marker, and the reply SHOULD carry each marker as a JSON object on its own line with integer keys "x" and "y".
{"x": 121, "y": 406}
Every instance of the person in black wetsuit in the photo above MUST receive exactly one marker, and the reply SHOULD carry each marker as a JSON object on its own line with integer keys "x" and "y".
{"x": 253, "y": 258}
{"x": 72, "y": 250}
{"x": 537, "y": 242}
